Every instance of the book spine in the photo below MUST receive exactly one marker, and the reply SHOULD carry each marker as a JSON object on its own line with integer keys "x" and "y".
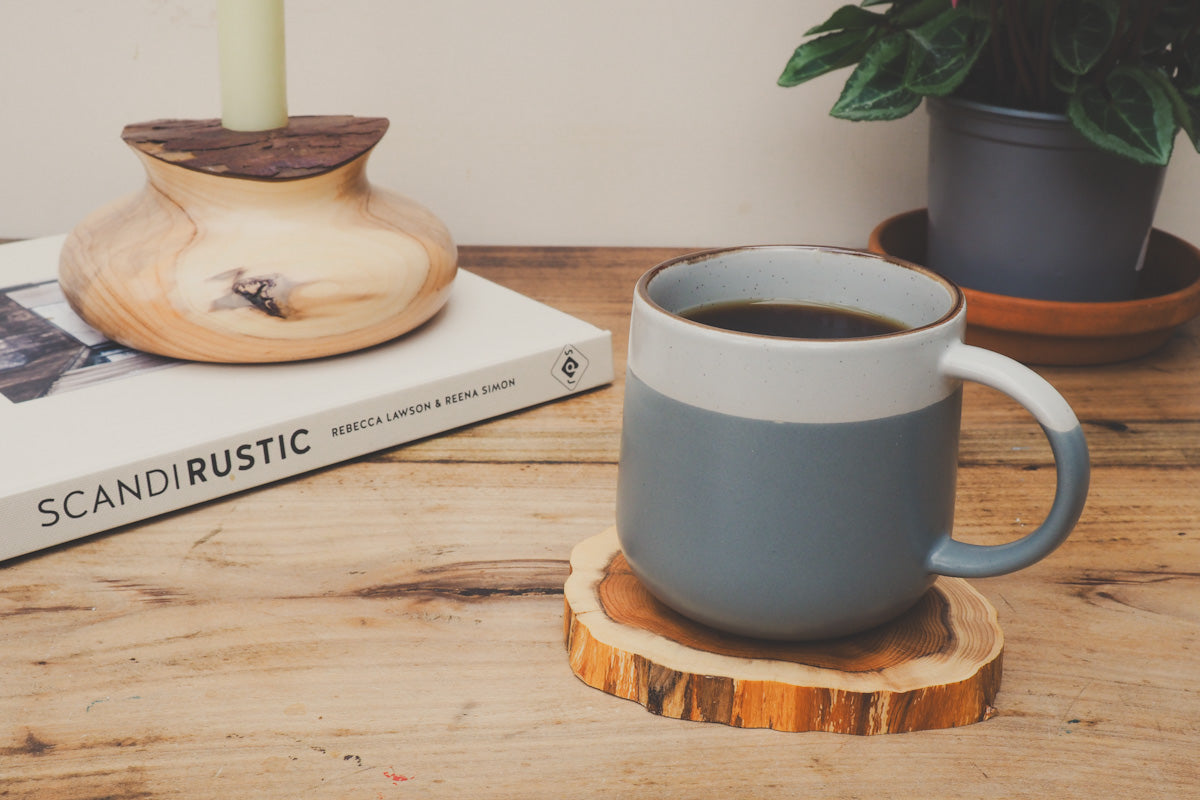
{"x": 207, "y": 470}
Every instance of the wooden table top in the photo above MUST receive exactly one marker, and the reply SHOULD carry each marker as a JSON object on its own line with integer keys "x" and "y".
{"x": 393, "y": 626}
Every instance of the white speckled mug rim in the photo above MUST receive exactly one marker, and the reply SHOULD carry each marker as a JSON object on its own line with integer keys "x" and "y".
{"x": 642, "y": 289}
{"x": 796, "y": 380}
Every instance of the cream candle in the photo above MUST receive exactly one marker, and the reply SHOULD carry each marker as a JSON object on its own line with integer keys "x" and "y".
{"x": 253, "y": 73}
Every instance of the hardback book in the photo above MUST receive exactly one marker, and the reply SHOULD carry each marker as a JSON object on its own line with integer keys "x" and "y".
{"x": 94, "y": 435}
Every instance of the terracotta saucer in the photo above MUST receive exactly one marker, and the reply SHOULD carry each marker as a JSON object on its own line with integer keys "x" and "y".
{"x": 1052, "y": 332}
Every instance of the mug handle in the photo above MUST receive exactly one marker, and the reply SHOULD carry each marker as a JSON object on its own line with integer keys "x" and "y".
{"x": 961, "y": 560}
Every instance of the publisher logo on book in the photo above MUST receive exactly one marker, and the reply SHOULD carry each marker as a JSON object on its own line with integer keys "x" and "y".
{"x": 569, "y": 367}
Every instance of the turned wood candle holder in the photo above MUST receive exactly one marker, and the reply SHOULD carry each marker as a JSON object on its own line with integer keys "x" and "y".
{"x": 257, "y": 246}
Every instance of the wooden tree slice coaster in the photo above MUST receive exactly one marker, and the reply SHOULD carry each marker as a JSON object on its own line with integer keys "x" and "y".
{"x": 937, "y": 666}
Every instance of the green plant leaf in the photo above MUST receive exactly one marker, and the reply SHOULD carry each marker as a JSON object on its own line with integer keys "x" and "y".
{"x": 1170, "y": 25}
{"x": 917, "y": 13}
{"x": 1191, "y": 120}
{"x": 1063, "y": 79}
{"x": 825, "y": 54}
{"x": 1082, "y": 33}
{"x": 1187, "y": 79}
{"x": 1186, "y": 108}
{"x": 847, "y": 18}
{"x": 1130, "y": 115}
{"x": 876, "y": 89}
{"x": 943, "y": 50}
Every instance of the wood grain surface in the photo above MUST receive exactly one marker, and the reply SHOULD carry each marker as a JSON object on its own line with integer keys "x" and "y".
{"x": 392, "y": 627}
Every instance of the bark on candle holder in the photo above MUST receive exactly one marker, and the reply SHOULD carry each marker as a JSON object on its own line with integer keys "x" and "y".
{"x": 257, "y": 246}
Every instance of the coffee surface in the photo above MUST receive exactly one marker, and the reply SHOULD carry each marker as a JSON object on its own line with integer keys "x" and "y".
{"x": 792, "y": 320}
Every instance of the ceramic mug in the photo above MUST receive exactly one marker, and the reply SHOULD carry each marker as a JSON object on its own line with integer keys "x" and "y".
{"x": 792, "y": 488}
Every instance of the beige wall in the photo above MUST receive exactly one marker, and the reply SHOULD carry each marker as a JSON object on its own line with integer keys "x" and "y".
{"x": 625, "y": 122}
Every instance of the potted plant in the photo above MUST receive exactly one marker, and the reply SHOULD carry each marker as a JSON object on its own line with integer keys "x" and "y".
{"x": 1051, "y": 124}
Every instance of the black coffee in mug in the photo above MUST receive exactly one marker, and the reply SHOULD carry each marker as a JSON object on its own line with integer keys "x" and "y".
{"x": 792, "y": 320}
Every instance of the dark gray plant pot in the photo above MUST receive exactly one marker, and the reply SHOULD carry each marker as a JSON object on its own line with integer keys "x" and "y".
{"x": 1020, "y": 204}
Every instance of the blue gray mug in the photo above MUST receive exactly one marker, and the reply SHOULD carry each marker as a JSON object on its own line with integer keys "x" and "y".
{"x": 790, "y": 488}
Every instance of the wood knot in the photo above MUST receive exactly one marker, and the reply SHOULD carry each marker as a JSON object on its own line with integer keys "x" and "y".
{"x": 267, "y": 293}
